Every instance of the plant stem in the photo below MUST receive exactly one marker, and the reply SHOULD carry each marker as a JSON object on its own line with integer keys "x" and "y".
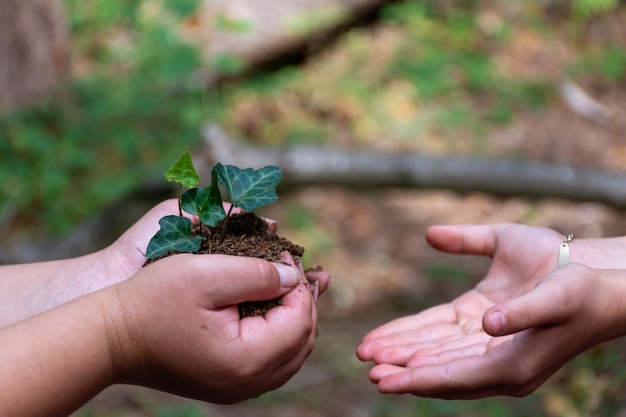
{"x": 223, "y": 236}
{"x": 180, "y": 194}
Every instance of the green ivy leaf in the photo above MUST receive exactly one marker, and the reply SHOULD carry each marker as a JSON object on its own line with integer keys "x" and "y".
{"x": 183, "y": 171}
{"x": 249, "y": 189}
{"x": 206, "y": 203}
{"x": 174, "y": 234}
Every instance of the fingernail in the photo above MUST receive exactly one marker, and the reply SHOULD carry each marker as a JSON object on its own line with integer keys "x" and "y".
{"x": 497, "y": 322}
{"x": 289, "y": 276}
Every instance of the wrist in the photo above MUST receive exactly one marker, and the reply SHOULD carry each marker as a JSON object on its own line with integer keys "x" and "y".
{"x": 610, "y": 302}
{"x": 30, "y": 289}
{"x": 60, "y": 352}
{"x": 124, "y": 341}
{"x": 80, "y": 276}
{"x": 105, "y": 268}
{"x": 599, "y": 253}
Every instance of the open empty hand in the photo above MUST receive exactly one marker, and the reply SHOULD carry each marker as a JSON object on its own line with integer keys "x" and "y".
{"x": 489, "y": 341}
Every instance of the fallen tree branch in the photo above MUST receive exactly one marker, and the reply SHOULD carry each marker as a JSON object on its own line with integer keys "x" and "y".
{"x": 317, "y": 165}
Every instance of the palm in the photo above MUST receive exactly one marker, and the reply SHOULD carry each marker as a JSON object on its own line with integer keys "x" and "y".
{"x": 522, "y": 255}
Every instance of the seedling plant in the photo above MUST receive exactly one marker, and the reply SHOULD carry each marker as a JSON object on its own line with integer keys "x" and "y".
{"x": 247, "y": 189}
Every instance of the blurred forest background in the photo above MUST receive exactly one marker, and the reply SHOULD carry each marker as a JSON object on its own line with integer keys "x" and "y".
{"x": 98, "y": 98}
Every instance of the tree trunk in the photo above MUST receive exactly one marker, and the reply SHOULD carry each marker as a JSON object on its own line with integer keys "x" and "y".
{"x": 34, "y": 50}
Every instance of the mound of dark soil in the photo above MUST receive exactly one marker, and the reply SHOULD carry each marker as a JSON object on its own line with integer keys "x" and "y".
{"x": 244, "y": 234}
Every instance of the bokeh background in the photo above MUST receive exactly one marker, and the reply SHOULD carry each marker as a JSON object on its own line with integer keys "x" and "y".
{"x": 129, "y": 85}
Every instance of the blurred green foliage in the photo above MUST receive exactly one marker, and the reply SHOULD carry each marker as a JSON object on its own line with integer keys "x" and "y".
{"x": 111, "y": 126}
{"x": 131, "y": 103}
{"x": 588, "y": 8}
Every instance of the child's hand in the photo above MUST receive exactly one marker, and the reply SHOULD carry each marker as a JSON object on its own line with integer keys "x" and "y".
{"x": 178, "y": 327}
{"x": 525, "y": 340}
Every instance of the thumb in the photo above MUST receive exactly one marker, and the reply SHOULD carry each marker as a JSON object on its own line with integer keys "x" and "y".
{"x": 229, "y": 280}
{"x": 541, "y": 306}
{"x": 465, "y": 239}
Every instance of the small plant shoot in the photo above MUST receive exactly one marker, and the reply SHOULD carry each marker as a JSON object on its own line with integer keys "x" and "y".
{"x": 184, "y": 173}
{"x": 247, "y": 189}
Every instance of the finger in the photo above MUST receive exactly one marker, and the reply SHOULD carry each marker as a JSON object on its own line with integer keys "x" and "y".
{"x": 319, "y": 275}
{"x": 439, "y": 355}
{"x": 240, "y": 278}
{"x": 467, "y": 373}
{"x": 465, "y": 239}
{"x": 305, "y": 350}
{"x": 285, "y": 370}
{"x": 275, "y": 359}
{"x": 409, "y": 354}
{"x": 388, "y": 385}
{"x": 379, "y": 372}
{"x": 272, "y": 225}
{"x": 548, "y": 303}
{"x": 297, "y": 301}
{"x": 309, "y": 280}
{"x": 285, "y": 330}
{"x": 399, "y": 347}
{"x": 282, "y": 332}
{"x": 401, "y": 354}
{"x": 441, "y": 314}
{"x": 514, "y": 366}
{"x": 228, "y": 209}
{"x": 287, "y": 258}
